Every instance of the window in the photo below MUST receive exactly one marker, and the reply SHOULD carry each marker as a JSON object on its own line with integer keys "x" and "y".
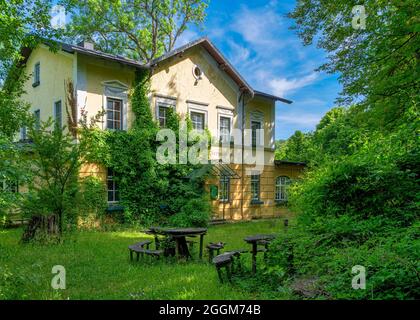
{"x": 113, "y": 192}
{"x": 37, "y": 115}
{"x": 282, "y": 183}
{"x": 224, "y": 128}
{"x": 255, "y": 187}
{"x": 163, "y": 111}
{"x": 37, "y": 71}
{"x": 23, "y": 133}
{"x": 58, "y": 114}
{"x": 114, "y": 114}
{"x": 255, "y": 126}
{"x": 224, "y": 188}
{"x": 198, "y": 120}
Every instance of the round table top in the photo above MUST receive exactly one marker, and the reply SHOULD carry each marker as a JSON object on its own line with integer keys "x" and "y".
{"x": 178, "y": 231}
{"x": 259, "y": 237}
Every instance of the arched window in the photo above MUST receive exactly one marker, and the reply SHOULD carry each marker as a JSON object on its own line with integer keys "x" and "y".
{"x": 282, "y": 183}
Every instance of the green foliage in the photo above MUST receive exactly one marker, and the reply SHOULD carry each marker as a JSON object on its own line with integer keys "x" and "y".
{"x": 139, "y": 29}
{"x": 360, "y": 208}
{"x": 194, "y": 213}
{"x": 150, "y": 192}
{"x": 294, "y": 148}
{"x": 378, "y": 64}
{"x": 92, "y": 199}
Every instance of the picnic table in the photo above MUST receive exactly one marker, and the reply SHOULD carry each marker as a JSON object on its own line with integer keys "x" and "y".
{"x": 179, "y": 235}
{"x": 254, "y": 241}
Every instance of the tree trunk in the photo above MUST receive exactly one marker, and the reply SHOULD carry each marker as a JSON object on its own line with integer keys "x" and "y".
{"x": 42, "y": 228}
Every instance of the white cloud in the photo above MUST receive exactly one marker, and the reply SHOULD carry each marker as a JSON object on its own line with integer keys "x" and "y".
{"x": 284, "y": 86}
{"x": 258, "y": 27}
{"x": 302, "y": 119}
{"x": 239, "y": 54}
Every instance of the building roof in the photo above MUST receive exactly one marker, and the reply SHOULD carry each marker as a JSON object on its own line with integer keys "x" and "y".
{"x": 205, "y": 42}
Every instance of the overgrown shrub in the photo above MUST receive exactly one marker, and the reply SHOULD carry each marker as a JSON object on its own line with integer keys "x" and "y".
{"x": 361, "y": 209}
{"x": 195, "y": 213}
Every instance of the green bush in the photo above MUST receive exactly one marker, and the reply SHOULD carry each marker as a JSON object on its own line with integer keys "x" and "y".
{"x": 195, "y": 213}
{"x": 360, "y": 209}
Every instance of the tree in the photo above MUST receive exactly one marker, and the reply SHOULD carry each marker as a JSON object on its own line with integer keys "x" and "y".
{"x": 24, "y": 23}
{"x": 377, "y": 65}
{"x": 295, "y": 148}
{"x": 56, "y": 194}
{"x": 138, "y": 29}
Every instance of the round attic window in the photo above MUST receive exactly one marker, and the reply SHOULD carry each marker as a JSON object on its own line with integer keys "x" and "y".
{"x": 197, "y": 72}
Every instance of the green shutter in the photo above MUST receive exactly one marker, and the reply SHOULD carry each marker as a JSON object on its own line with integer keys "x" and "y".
{"x": 214, "y": 192}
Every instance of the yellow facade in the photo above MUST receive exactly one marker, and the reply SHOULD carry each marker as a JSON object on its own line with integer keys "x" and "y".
{"x": 173, "y": 81}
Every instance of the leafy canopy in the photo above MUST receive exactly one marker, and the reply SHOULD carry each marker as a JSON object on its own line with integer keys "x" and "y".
{"x": 138, "y": 29}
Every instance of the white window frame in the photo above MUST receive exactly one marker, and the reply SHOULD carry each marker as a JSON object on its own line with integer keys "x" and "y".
{"x": 281, "y": 188}
{"x": 121, "y": 112}
{"x": 115, "y": 89}
{"x": 224, "y": 180}
{"x": 165, "y": 102}
{"x": 23, "y": 133}
{"x": 198, "y": 107}
{"x": 55, "y": 112}
{"x": 225, "y": 113}
{"x": 257, "y": 116}
{"x": 37, "y": 119}
{"x": 115, "y": 186}
{"x": 253, "y": 180}
{"x": 37, "y": 74}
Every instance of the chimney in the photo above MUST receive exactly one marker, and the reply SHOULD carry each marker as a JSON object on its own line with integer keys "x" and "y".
{"x": 86, "y": 44}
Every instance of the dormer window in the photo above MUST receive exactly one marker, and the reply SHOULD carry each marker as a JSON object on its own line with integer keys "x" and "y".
{"x": 37, "y": 75}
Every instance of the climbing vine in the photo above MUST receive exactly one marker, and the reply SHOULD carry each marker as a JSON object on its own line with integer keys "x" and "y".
{"x": 150, "y": 192}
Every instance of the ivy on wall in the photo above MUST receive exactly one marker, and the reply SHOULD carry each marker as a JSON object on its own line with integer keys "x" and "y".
{"x": 150, "y": 192}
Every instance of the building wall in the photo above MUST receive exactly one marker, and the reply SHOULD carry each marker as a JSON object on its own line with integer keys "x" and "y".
{"x": 55, "y": 69}
{"x": 174, "y": 79}
{"x": 240, "y": 207}
{"x": 171, "y": 79}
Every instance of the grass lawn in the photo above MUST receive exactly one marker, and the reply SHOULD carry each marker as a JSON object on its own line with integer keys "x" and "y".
{"x": 98, "y": 267}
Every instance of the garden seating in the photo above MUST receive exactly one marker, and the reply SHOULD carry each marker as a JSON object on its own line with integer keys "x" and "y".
{"x": 212, "y": 247}
{"x": 228, "y": 260}
{"x": 141, "y": 248}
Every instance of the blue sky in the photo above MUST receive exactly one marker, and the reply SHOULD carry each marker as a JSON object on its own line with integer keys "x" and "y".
{"x": 254, "y": 35}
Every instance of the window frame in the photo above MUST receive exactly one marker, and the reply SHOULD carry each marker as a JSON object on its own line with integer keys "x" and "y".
{"x": 163, "y": 102}
{"x": 257, "y": 192}
{"x": 110, "y": 177}
{"x": 37, "y": 115}
{"x": 37, "y": 75}
{"x": 221, "y": 136}
{"x": 257, "y": 134}
{"x": 23, "y": 133}
{"x": 224, "y": 188}
{"x": 121, "y": 120}
{"x": 61, "y": 113}
{"x": 203, "y": 114}
{"x": 279, "y": 186}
